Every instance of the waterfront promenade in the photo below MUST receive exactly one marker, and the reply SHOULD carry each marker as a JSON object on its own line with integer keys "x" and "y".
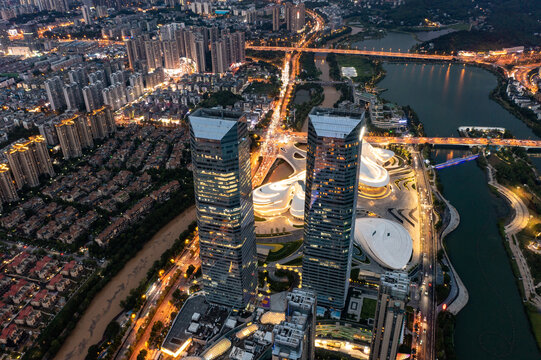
{"x": 517, "y": 223}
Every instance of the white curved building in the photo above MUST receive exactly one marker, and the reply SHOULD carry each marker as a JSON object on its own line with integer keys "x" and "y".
{"x": 373, "y": 177}
{"x": 379, "y": 155}
{"x": 385, "y": 241}
{"x": 276, "y": 198}
{"x": 273, "y": 199}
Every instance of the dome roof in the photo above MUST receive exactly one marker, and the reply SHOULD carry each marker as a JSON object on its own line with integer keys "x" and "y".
{"x": 385, "y": 241}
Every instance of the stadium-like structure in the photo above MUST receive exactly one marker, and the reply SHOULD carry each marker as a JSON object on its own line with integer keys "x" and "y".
{"x": 385, "y": 241}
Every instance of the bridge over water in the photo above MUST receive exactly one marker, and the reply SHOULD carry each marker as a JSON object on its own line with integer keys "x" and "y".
{"x": 455, "y": 161}
{"x": 386, "y": 54}
{"x": 441, "y": 141}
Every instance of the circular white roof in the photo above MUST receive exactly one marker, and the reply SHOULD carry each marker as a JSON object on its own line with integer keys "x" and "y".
{"x": 385, "y": 241}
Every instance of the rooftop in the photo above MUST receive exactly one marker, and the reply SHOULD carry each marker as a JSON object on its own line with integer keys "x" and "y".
{"x": 334, "y": 123}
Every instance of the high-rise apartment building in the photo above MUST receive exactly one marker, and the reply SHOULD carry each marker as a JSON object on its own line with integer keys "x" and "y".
{"x": 28, "y": 160}
{"x": 332, "y": 167}
{"x": 69, "y": 138}
{"x": 87, "y": 15}
{"x": 390, "y": 313}
{"x": 294, "y": 338}
{"x": 199, "y": 54}
{"x": 295, "y": 16}
{"x": 92, "y": 96}
{"x": 225, "y": 215}
{"x": 153, "y": 52}
{"x": 73, "y": 96}
{"x": 171, "y": 54}
{"x": 55, "y": 93}
{"x": 83, "y": 130}
{"x": 218, "y": 57}
{"x": 276, "y": 18}
{"x": 102, "y": 123}
{"x": 78, "y": 76}
{"x": 228, "y": 50}
{"x": 8, "y": 193}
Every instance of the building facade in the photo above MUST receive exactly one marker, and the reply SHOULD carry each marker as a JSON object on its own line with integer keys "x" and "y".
{"x": 225, "y": 215}
{"x": 390, "y": 314}
{"x": 294, "y": 338}
{"x": 332, "y": 168}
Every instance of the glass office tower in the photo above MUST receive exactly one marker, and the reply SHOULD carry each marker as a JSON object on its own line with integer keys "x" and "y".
{"x": 225, "y": 215}
{"x": 332, "y": 171}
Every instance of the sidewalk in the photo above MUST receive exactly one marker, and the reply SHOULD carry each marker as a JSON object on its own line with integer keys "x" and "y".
{"x": 458, "y": 297}
{"x": 519, "y": 222}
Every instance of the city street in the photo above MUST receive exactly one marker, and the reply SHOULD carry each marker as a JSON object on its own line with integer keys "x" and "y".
{"x": 190, "y": 256}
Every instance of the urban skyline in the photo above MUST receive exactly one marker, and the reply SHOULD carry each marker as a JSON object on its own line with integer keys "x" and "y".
{"x": 269, "y": 180}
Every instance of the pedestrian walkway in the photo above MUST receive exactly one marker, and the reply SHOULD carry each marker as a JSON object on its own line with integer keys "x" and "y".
{"x": 519, "y": 222}
{"x": 458, "y": 297}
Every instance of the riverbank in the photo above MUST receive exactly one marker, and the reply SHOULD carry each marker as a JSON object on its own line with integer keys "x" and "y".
{"x": 499, "y": 95}
{"x": 106, "y": 304}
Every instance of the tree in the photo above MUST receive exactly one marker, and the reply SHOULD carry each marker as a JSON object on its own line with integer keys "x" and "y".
{"x": 190, "y": 270}
{"x": 142, "y": 355}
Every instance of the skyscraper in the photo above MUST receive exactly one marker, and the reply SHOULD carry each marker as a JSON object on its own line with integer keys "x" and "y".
{"x": 390, "y": 311}
{"x": 332, "y": 167}
{"x": 225, "y": 215}
{"x": 55, "y": 93}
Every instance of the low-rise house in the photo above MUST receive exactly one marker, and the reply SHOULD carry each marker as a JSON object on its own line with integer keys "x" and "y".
{"x": 29, "y": 316}
{"x": 72, "y": 269}
{"x": 13, "y": 219}
{"x": 58, "y": 283}
{"x": 136, "y": 211}
{"x": 11, "y": 334}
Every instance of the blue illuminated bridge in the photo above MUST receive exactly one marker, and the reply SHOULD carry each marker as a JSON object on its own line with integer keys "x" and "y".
{"x": 455, "y": 161}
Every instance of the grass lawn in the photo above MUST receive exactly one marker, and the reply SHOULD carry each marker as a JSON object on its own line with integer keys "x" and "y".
{"x": 286, "y": 250}
{"x": 275, "y": 247}
{"x": 368, "y": 310}
{"x": 364, "y": 67}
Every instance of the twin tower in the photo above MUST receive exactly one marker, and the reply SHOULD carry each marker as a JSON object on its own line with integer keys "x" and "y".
{"x": 225, "y": 215}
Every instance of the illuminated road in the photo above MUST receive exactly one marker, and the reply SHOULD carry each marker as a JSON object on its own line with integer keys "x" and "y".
{"x": 190, "y": 256}
{"x": 355, "y": 52}
{"x": 426, "y": 317}
{"x": 274, "y": 136}
{"x": 385, "y": 140}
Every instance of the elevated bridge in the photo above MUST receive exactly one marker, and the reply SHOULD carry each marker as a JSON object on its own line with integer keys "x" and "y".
{"x": 381, "y": 54}
{"x": 441, "y": 141}
{"x": 455, "y": 161}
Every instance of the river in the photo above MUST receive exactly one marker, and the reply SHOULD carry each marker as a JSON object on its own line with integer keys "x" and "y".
{"x": 493, "y": 325}
{"x": 106, "y": 305}
{"x": 331, "y": 94}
